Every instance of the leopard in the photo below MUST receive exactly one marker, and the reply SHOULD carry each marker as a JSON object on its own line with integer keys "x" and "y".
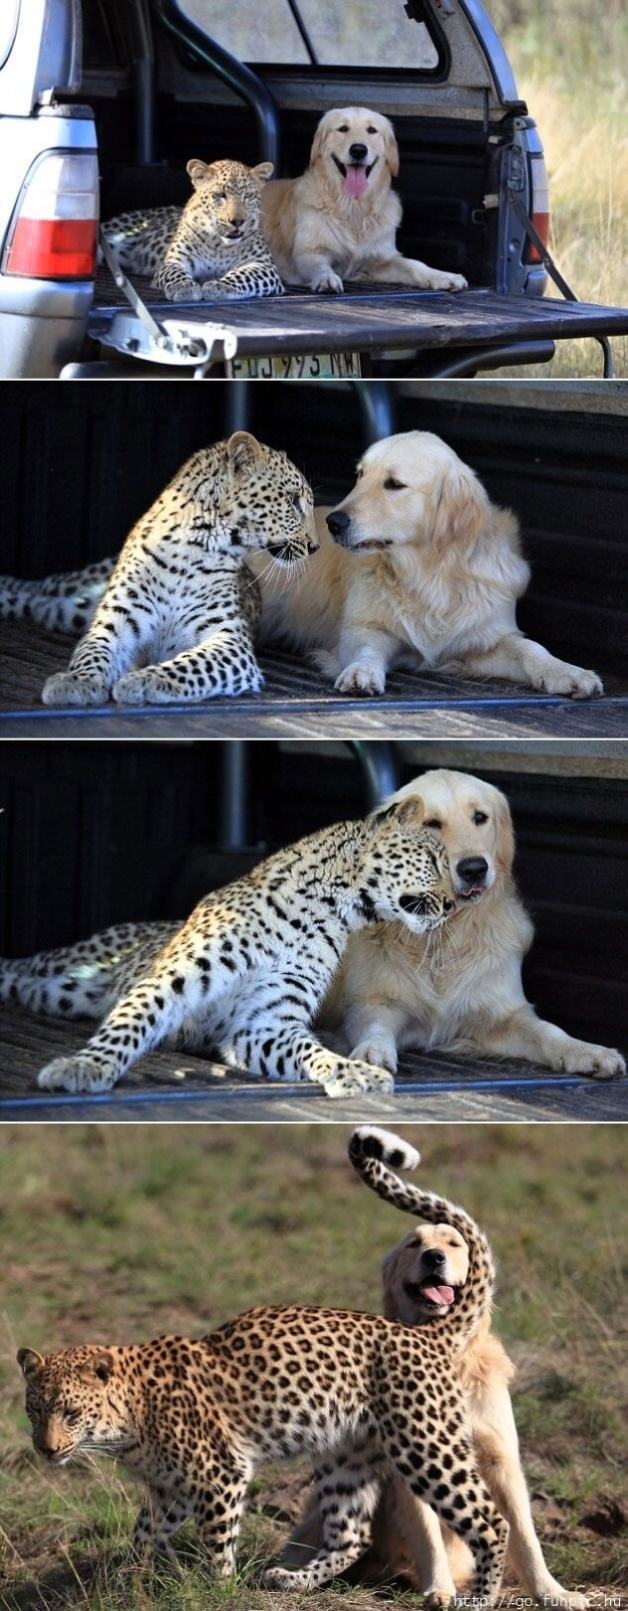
{"x": 174, "y": 619}
{"x": 192, "y": 1420}
{"x": 210, "y": 249}
{"x": 247, "y": 972}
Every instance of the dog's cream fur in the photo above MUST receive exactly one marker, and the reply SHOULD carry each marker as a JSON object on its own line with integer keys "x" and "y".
{"x": 462, "y": 988}
{"x": 428, "y": 574}
{"x": 319, "y": 234}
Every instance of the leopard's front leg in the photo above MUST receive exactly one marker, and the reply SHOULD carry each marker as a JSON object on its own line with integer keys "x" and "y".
{"x": 249, "y": 279}
{"x": 112, "y": 643}
{"x": 160, "y": 1517}
{"x": 291, "y": 1052}
{"x": 224, "y": 664}
{"x": 200, "y": 964}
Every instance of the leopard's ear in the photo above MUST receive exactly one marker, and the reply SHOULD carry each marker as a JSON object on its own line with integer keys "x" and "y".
{"x": 263, "y": 171}
{"x": 243, "y": 451}
{"x": 409, "y": 812}
{"x": 29, "y": 1361}
{"x": 197, "y": 170}
{"x": 102, "y": 1364}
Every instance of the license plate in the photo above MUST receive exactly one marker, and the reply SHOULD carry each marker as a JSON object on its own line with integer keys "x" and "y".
{"x": 296, "y": 366}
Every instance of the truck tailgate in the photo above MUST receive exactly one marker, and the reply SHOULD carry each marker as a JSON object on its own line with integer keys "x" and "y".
{"x": 366, "y": 319}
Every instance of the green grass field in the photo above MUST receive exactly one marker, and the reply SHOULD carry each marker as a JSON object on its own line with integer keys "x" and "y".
{"x": 571, "y": 65}
{"x": 118, "y": 1233}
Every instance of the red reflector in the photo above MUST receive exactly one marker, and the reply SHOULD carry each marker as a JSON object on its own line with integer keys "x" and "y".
{"x": 541, "y": 223}
{"x": 53, "y": 248}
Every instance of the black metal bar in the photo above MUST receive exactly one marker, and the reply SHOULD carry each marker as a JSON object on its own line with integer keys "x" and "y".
{"x": 377, "y": 404}
{"x": 236, "y": 74}
{"x": 144, "y": 70}
{"x": 237, "y": 406}
{"x": 379, "y": 764}
{"x": 515, "y": 352}
{"x": 303, "y": 32}
{"x": 234, "y": 821}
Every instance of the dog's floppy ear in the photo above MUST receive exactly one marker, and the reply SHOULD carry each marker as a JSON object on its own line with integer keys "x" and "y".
{"x": 263, "y": 171}
{"x": 391, "y": 149}
{"x": 504, "y": 835}
{"x": 462, "y": 510}
{"x": 318, "y": 142}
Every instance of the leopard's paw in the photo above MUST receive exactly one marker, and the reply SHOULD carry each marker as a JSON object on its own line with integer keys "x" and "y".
{"x": 74, "y": 688}
{"x": 78, "y": 1073}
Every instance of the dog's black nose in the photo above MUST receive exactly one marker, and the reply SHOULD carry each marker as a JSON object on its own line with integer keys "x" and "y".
{"x": 357, "y": 153}
{"x": 338, "y": 522}
{"x": 434, "y": 1258}
{"x": 472, "y": 869}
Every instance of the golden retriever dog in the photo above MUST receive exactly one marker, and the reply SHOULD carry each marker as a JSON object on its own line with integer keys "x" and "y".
{"x": 340, "y": 218}
{"x": 407, "y": 1536}
{"x": 462, "y": 989}
{"x": 423, "y": 571}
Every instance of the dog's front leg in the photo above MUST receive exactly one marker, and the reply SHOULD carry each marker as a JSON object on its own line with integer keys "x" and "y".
{"x": 524, "y": 1035}
{"x": 373, "y": 1031}
{"x": 314, "y": 265}
{"x": 365, "y": 656}
{"x": 518, "y": 659}
{"x": 398, "y": 270}
{"x": 497, "y": 1447}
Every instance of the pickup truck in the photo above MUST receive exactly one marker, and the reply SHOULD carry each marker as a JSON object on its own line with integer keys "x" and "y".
{"x": 100, "y": 833}
{"x": 556, "y": 453}
{"x": 102, "y": 102}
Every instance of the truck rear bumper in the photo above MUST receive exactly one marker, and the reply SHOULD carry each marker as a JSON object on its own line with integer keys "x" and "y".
{"x": 42, "y": 325}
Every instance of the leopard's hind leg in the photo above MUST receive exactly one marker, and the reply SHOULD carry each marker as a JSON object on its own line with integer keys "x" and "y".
{"x": 84, "y": 980}
{"x": 347, "y": 1491}
{"x": 63, "y": 603}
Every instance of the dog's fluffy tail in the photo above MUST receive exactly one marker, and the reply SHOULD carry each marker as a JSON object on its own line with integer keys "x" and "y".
{"x": 375, "y": 1153}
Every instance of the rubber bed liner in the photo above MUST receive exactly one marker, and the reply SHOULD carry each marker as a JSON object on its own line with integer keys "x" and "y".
{"x": 182, "y": 1086}
{"x": 364, "y": 319}
{"x": 297, "y": 699}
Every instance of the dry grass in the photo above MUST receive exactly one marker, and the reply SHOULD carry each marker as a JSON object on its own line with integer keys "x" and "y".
{"x": 571, "y": 62}
{"x": 114, "y": 1232}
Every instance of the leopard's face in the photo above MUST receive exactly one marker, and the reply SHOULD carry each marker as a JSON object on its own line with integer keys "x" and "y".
{"x": 229, "y": 197}
{"x": 267, "y": 504}
{"x": 74, "y": 1404}
{"x": 409, "y": 878}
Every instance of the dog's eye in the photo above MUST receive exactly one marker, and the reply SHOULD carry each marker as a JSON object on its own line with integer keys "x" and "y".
{"x": 391, "y": 485}
{"x": 479, "y": 817}
{"x": 344, "y": 129}
{"x": 370, "y": 129}
{"x": 433, "y": 823}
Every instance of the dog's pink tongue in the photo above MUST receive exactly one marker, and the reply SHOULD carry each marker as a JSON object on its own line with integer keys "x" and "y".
{"x": 439, "y": 1294}
{"x": 356, "y": 182}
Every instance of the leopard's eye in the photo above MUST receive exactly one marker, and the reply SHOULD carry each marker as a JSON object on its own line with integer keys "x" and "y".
{"x": 219, "y": 195}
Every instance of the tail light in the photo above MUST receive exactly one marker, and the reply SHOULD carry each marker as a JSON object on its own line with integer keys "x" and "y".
{"x": 54, "y": 234}
{"x": 539, "y": 209}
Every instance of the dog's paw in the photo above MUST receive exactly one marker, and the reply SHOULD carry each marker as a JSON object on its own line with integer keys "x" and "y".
{"x": 572, "y": 681}
{"x": 359, "y": 679}
{"x": 72, "y": 688}
{"x": 78, "y": 1073}
{"x": 439, "y": 281}
{"x": 328, "y": 280}
{"x": 439, "y": 1597}
{"x": 600, "y": 1062}
{"x": 381, "y": 1052}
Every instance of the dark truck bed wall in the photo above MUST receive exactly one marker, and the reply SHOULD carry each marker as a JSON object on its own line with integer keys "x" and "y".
{"x": 97, "y": 833}
{"x": 81, "y": 466}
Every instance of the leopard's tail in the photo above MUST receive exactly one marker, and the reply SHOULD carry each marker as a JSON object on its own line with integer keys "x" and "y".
{"x": 375, "y": 1154}
{"x": 63, "y": 603}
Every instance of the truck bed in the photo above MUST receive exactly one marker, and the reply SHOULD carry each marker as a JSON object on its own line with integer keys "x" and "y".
{"x": 367, "y": 319}
{"x": 176, "y": 1085}
{"x": 296, "y": 701}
